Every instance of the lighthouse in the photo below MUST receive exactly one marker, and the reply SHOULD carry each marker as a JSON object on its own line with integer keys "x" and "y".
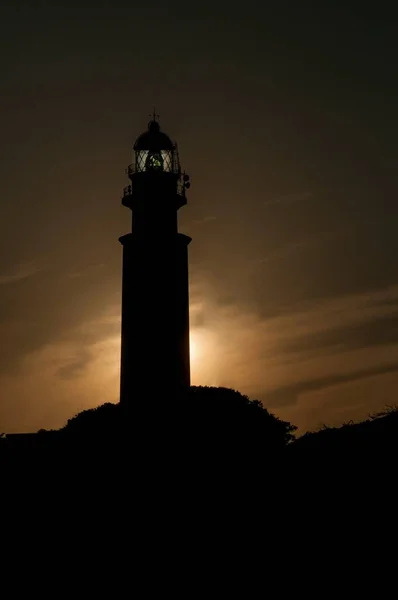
{"x": 155, "y": 288}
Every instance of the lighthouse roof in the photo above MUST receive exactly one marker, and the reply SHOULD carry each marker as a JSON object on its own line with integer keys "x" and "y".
{"x": 153, "y": 139}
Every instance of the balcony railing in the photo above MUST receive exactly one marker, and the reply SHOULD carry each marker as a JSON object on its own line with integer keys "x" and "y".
{"x": 180, "y": 187}
{"x": 128, "y": 190}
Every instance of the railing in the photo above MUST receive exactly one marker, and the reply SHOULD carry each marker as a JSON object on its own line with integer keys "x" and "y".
{"x": 134, "y": 168}
{"x": 180, "y": 187}
{"x": 128, "y": 190}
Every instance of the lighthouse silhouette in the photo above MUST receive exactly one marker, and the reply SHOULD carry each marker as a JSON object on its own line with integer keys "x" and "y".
{"x": 155, "y": 288}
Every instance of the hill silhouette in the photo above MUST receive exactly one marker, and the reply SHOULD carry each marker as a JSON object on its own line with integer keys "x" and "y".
{"x": 204, "y": 420}
{"x": 378, "y": 433}
{"x": 212, "y": 438}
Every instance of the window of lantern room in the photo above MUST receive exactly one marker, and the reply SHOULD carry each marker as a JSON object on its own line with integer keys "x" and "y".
{"x": 154, "y": 160}
{"x": 141, "y": 157}
{"x": 167, "y": 160}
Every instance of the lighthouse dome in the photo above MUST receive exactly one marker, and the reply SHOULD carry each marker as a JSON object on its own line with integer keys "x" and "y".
{"x": 153, "y": 139}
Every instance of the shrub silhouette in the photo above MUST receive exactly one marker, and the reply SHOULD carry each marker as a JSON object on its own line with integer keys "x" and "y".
{"x": 223, "y": 413}
{"x": 100, "y": 421}
{"x": 204, "y": 415}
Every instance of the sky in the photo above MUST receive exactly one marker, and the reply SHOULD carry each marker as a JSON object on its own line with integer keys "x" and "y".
{"x": 285, "y": 115}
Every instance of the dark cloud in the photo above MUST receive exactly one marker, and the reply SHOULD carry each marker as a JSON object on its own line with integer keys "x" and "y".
{"x": 50, "y": 308}
{"x": 378, "y": 332}
{"x": 288, "y": 395}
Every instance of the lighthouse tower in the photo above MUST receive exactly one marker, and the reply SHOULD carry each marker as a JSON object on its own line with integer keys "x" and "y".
{"x": 155, "y": 298}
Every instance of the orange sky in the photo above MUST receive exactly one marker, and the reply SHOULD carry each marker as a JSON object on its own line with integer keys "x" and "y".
{"x": 231, "y": 348}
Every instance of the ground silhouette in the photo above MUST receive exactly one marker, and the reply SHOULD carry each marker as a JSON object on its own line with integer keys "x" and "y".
{"x": 208, "y": 439}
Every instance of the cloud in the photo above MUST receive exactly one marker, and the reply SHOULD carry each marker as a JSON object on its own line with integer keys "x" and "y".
{"x": 290, "y": 360}
{"x": 290, "y": 394}
{"x": 289, "y": 198}
{"x": 49, "y": 307}
{"x": 23, "y": 271}
{"x": 343, "y": 401}
{"x": 76, "y": 365}
{"x": 203, "y": 220}
{"x": 329, "y": 314}
{"x": 305, "y": 349}
{"x": 309, "y": 241}
{"x": 57, "y": 381}
{"x": 381, "y": 330}
{"x": 85, "y": 341}
{"x": 86, "y": 271}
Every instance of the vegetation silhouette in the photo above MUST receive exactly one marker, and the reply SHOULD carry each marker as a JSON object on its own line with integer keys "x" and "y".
{"x": 209, "y": 431}
{"x": 214, "y": 432}
{"x": 376, "y": 434}
{"x": 208, "y": 438}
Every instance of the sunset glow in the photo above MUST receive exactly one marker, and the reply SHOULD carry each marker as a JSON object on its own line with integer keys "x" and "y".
{"x": 195, "y": 348}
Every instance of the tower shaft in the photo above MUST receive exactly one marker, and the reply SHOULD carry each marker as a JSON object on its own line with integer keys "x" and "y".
{"x": 155, "y": 316}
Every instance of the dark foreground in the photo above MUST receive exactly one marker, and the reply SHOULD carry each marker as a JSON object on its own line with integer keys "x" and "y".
{"x": 213, "y": 441}
{"x": 194, "y": 497}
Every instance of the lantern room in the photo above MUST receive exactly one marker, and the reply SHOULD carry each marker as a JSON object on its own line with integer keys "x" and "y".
{"x": 154, "y": 151}
{"x": 155, "y": 172}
